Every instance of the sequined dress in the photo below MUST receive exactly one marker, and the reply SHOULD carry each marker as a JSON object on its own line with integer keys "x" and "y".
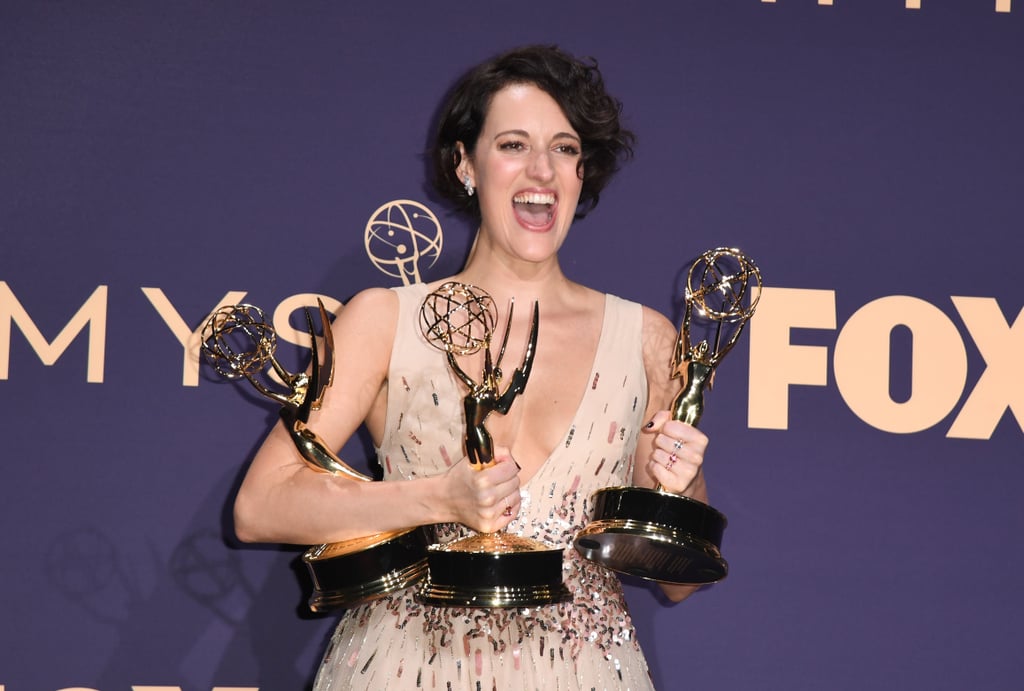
{"x": 588, "y": 643}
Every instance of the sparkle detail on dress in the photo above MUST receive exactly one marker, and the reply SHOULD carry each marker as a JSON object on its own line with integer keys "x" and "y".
{"x": 587, "y": 643}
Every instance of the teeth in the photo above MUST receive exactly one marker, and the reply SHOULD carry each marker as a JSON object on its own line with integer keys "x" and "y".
{"x": 534, "y": 198}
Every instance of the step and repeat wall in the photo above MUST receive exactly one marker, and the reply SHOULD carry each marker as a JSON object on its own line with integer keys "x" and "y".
{"x": 161, "y": 159}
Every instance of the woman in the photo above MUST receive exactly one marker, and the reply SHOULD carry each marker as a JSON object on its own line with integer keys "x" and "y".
{"x": 526, "y": 142}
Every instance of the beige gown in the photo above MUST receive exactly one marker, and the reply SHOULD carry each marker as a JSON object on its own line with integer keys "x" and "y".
{"x": 588, "y": 643}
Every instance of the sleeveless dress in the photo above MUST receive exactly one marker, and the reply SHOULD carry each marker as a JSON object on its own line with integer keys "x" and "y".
{"x": 588, "y": 643}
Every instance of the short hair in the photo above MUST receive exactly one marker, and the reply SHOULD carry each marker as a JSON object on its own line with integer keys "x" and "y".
{"x": 576, "y": 86}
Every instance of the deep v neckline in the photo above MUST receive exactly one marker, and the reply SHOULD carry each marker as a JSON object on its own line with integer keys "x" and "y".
{"x": 587, "y": 392}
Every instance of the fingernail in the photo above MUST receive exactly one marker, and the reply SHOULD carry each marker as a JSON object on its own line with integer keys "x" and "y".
{"x": 649, "y": 425}
{"x": 517, "y": 465}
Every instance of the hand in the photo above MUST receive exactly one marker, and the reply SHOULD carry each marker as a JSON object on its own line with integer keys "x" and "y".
{"x": 677, "y": 452}
{"x": 484, "y": 499}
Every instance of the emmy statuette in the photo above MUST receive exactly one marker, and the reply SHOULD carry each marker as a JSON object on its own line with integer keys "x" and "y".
{"x": 486, "y": 569}
{"x": 240, "y": 343}
{"x": 655, "y": 534}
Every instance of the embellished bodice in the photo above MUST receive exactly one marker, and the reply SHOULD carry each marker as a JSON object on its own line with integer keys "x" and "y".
{"x": 424, "y": 427}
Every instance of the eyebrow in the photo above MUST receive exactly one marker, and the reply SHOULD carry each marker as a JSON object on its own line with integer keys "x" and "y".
{"x": 524, "y": 133}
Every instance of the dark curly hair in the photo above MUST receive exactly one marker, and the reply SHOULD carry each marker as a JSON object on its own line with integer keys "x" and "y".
{"x": 578, "y": 88}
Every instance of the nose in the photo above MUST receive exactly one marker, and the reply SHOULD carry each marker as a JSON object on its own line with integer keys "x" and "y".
{"x": 540, "y": 167}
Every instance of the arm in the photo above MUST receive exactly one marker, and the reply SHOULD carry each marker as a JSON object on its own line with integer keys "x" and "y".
{"x": 282, "y": 499}
{"x": 658, "y": 441}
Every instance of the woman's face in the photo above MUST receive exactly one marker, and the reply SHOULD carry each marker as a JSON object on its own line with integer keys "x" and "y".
{"x": 525, "y": 172}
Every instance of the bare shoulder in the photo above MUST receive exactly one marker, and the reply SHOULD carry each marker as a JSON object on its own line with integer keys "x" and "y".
{"x": 369, "y": 314}
{"x": 659, "y": 341}
{"x": 363, "y": 334}
{"x": 372, "y": 301}
{"x": 659, "y": 336}
{"x": 364, "y": 331}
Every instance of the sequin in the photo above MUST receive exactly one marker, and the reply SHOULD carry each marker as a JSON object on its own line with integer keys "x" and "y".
{"x": 588, "y": 643}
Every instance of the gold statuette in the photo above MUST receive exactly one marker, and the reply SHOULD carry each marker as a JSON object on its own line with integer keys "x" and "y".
{"x": 490, "y": 569}
{"x": 240, "y": 344}
{"x": 655, "y": 534}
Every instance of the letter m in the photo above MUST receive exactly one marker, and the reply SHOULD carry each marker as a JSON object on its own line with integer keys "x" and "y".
{"x": 92, "y": 313}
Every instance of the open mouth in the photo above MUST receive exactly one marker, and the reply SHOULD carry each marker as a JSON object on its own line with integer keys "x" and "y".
{"x": 534, "y": 208}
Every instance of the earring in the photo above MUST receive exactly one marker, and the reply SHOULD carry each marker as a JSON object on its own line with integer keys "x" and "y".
{"x": 469, "y": 186}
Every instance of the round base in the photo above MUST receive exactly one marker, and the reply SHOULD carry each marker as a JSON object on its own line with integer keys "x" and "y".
{"x": 655, "y": 535}
{"x": 348, "y": 573}
{"x": 495, "y": 570}
{"x": 440, "y": 595}
{"x": 652, "y": 552}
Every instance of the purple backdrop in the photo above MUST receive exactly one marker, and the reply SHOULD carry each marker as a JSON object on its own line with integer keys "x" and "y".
{"x": 866, "y": 437}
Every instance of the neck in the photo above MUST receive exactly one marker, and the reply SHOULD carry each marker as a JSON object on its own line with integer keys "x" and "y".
{"x": 507, "y": 277}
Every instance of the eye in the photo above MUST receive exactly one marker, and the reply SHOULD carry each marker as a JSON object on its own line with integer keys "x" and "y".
{"x": 570, "y": 149}
{"x": 512, "y": 145}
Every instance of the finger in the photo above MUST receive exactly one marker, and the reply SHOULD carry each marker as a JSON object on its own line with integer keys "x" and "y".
{"x": 667, "y": 459}
{"x": 501, "y": 513}
{"x": 511, "y": 505}
{"x": 661, "y": 474}
{"x": 675, "y": 471}
{"x": 691, "y": 445}
{"x": 503, "y": 459}
{"x": 669, "y": 444}
{"x": 657, "y": 422}
{"x": 687, "y": 433}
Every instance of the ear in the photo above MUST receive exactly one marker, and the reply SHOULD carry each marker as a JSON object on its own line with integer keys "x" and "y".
{"x": 465, "y": 166}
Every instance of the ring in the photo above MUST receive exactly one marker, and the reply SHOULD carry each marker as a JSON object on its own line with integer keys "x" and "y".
{"x": 508, "y": 507}
{"x": 671, "y": 461}
{"x": 678, "y": 445}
